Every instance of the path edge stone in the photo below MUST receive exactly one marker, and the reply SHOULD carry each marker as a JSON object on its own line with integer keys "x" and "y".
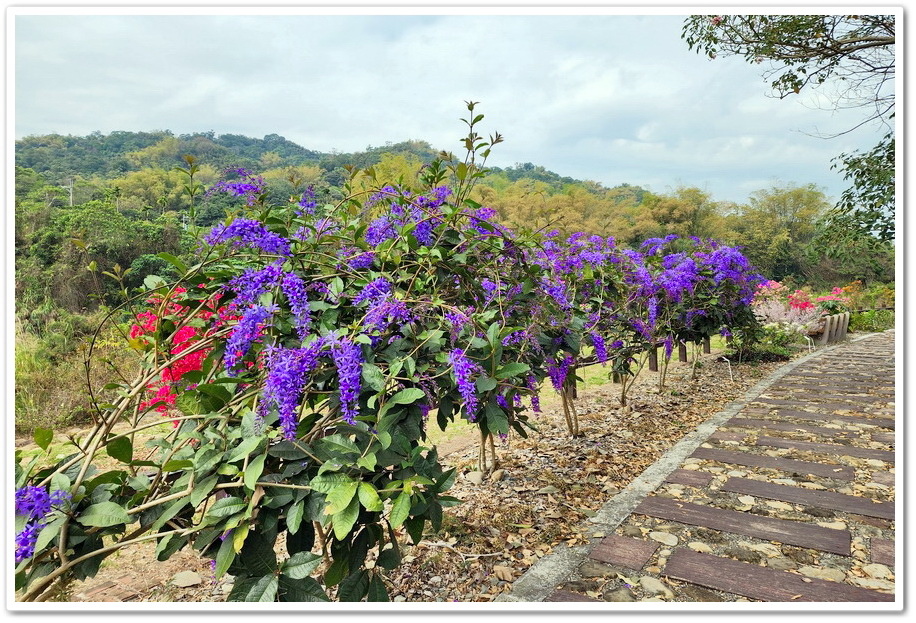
{"x": 539, "y": 581}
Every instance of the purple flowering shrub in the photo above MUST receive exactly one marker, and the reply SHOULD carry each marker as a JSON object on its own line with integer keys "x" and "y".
{"x": 340, "y": 331}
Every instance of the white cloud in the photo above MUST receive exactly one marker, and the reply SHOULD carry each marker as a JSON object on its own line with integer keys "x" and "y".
{"x": 610, "y": 98}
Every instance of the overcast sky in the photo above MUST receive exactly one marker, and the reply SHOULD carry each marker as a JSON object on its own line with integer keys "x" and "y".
{"x": 612, "y": 98}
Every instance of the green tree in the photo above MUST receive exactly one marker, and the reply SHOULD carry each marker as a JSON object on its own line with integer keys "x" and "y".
{"x": 854, "y": 55}
{"x": 776, "y": 227}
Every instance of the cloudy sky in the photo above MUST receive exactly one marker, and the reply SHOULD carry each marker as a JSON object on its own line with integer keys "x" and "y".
{"x": 606, "y": 96}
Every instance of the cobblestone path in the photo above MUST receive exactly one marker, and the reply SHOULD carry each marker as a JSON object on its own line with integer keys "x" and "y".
{"x": 787, "y": 497}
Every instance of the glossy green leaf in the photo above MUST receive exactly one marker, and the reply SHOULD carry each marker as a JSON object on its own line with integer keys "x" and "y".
{"x": 43, "y": 437}
{"x": 369, "y": 498}
{"x": 121, "y": 449}
{"x": 104, "y": 515}
{"x": 400, "y": 510}
{"x": 301, "y": 565}
{"x": 344, "y": 520}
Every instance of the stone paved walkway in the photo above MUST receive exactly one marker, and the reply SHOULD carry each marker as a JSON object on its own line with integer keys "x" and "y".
{"x": 787, "y": 496}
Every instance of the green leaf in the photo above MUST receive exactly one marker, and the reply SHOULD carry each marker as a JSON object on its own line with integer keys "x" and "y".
{"x": 403, "y": 397}
{"x": 48, "y": 533}
{"x": 512, "y": 369}
{"x": 43, "y": 437}
{"x": 369, "y": 498}
{"x": 339, "y": 498}
{"x": 188, "y": 403}
{"x": 103, "y": 515}
{"x": 337, "y": 571}
{"x": 373, "y": 376}
{"x": 338, "y": 444}
{"x": 168, "y": 546}
{"x": 367, "y": 462}
{"x": 301, "y": 565}
{"x": 344, "y": 520}
{"x": 414, "y": 527}
{"x": 306, "y": 589}
{"x": 244, "y": 449}
{"x": 202, "y": 490}
{"x": 265, "y": 589}
{"x": 170, "y": 512}
{"x": 224, "y": 557}
{"x": 485, "y": 383}
{"x": 177, "y": 465}
{"x": 400, "y": 510}
{"x": 390, "y": 558}
{"x": 326, "y": 483}
{"x": 253, "y": 471}
{"x": 294, "y": 516}
{"x": 226, "y": 507}
{"x": 377, "y": 591}
{"x": 121, "y": 449}
{"x": 174, "y": 261}
{"x": 354, "y": 587}
{"x": 257, "y": 554}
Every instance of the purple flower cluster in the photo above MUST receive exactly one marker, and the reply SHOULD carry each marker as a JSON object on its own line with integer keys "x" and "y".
{"x": 26, "y": 539}
{"x": 464, "y": 370}
{"x": 294, "y": 289}
{"x": 348, "y": 358}
{"x": 376, "y": 289}
{"x": 250, "y": 186}
{"x": 355, "y": 259}
{"x": 245, "y": 333}
{"x": 34, "y": 503}
{"x": 307, "y": 203}
{"x": 385, "y": 311}
{"x": 669, "y": 346}
{"x": 251, "y": 234}
{"x": 532, "y": 385}
{"x": 287, "y": 371}
{"x": 679, "y": 277}
{"x": 251, "y": 284}
{"x": 380, "y": 230}
{"x": 600, "y": 347}
{"x": 421, "y": 211}
{"x": 558, "y": 373}
{"x": 481, "y": 221}
{"x": 322, "y": 227}
{"x": 652, "y": 245}
{"x": 490, "y": 288}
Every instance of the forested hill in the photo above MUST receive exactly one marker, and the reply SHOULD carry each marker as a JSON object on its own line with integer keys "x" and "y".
{"x": 60, "y": 157}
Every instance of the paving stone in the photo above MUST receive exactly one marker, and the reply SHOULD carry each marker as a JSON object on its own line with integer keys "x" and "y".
{"x": 663, "y": 537}
{"x": 823, "y": 573}
{"x": 698, "y": 593}
{"x": 184, "y": 579}
{"x": 877, "y": 571}
{"x": 593, "y": 569}
{"x": 563, "y": 595}
{"x": 655, "y": 586}
{"x": 622, "y": 594}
